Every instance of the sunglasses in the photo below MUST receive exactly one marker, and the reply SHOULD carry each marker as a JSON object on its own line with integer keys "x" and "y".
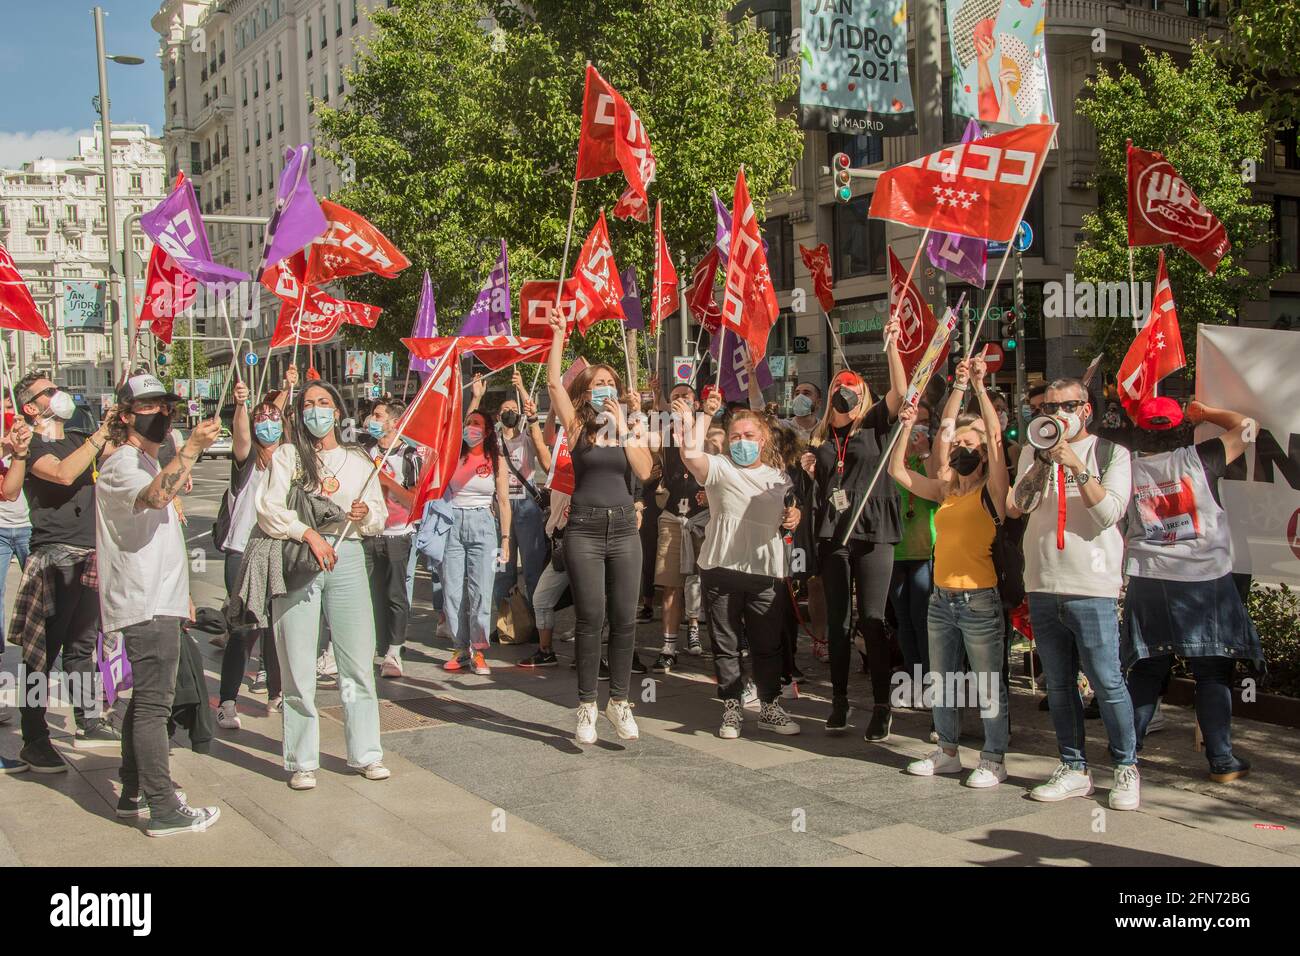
{"x": 43, "y": 393}
{"x": 1051, "y": 408}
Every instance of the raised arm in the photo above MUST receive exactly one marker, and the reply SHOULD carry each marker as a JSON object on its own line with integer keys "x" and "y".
{"x": 941, "y": 439}
{"x": 169, "y": 482}
{"x": 920, "y": 485}
{"x": 476, "y": 388}
{"x": 535, "y": 434}
{"x": 897, "y": 375}
{"x": 241, "y": 425}
{"x": 693, "y": 430}
{"x": 1234, "y": 426}
{"x": 561, "y": 406}
{"x": 996, "y": 467}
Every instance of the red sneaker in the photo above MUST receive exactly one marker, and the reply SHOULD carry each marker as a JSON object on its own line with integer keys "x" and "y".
{"x": 454, "y": 664}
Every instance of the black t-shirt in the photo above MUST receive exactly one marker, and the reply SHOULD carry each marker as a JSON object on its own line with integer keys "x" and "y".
{"x": 880, "y": 521}
{"x": 61, "y": 514}
{"x": 682, "y": 486}
{"x": 1214, "y": 459}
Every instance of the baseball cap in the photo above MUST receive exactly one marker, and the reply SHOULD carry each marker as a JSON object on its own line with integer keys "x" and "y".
{"x": 139, "y": 387}
{"x": 1159, "y": 413}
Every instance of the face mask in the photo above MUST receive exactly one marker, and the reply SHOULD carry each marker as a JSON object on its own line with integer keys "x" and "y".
{"x": 319, "y": 421}
{"x": 268, "y": 432}
{"x": 153, "y": 427}
{"x": 845, "y": 400}
{"x": 1003, "y": 420}
{"x": 376, "y": 429}
{"x": 473, "y": 436}
{"x": 801, "y": 406}
{"x": 744, "y": 452}
{"x": 964, "y": 461}
{"x": 1026, "y": 412}
{"x": 510, "y": 418}
{"x": 62, "y": 405}
{"x": 1071, "y": 423}
{"x": 600, "y": 393}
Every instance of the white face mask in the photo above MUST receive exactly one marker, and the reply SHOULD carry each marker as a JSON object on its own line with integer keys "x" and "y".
{"x": 1002, "y": 420}
{"x": 1071, "y": 423}
{"x": 62, "y": 405}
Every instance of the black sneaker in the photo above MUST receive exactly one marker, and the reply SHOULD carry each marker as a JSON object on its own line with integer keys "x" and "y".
{"x": 540, "y": 658}
{"x": 184, "y": 819}
{"x": 604, "y": 669}
{"x": 645, "y": 613}
{"x": 637, "y": 666}
{"x": 42, "y": 758}
{"x": 10, "y": 765}
{"x": 138, "y": 806}
{"x": 664, "y": 663}
{"x": 839, "y": 719}
{"x": 693, "y": 645}
{"x": 882, "y": 720}
{"x": 97, "y": 735}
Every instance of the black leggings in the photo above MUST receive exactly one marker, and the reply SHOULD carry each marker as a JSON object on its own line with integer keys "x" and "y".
{"x": 239, "y": 646}
{"x": 866, "y": 567}
{"x": 603, "y": 552}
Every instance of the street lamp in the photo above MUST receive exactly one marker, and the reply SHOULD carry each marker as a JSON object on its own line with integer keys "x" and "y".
{"x": 110, "y": 208}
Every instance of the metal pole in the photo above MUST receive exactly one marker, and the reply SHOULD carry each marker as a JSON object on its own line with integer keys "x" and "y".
{"x": 110, "y": 208}
{"x": 1021, "y": 372}
{"x": 929, "y": 122}
{"x": 683, "y": 310}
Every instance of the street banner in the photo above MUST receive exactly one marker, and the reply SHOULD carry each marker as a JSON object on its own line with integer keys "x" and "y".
{"x": 168, "y": 291}
{"x": 749, "y": 306}
{"x": 853, "y": 68}
{"x": 999, "y": 61}
{"x": 916, "y": 322}
{"x": 351, "y": 246}
{"x": 354, "y": 364}
{"x": 612, "y": 137}
{"x": 202, "y": 388}
{"x": 925, "y": 367}
{"x": 818, "y": 263}
{"x": 1252, "y": 371}
{"x": 1157, "y": 350}
{"x": 1162, "y": 208}
{"x": 176, "y": 224}
{"x": 491, "y": 312}
{"x": 181, "y": 386}
{"x": 596, "y": 286}
{"x": 959, "y": 256}
{"x": 17, "y": 307}
{"x": 666, "y": 295}
{"x": 426, "y": 323}
{"x": 382, "y": 362}
{"x": 83, "y": 306}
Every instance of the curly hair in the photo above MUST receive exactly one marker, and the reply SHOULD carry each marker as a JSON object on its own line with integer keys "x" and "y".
{"x": 584, "y": 415}
{"x": 491, "y": 445}
{"x": 771, "y": 455}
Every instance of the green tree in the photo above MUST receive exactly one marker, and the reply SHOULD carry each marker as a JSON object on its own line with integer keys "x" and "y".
{"x": 1263, "y": 45}
{"x": 1194, "y": 116}
{"x": 461, "y": 136}
{"x": 177, "y": 367}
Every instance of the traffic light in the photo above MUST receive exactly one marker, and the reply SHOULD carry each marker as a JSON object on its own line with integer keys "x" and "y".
{"x": 1010, "y": 333}
{"x": 843, "y": 179}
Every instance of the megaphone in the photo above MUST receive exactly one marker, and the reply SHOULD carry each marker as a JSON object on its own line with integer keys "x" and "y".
{"x": 1043, "y": 432}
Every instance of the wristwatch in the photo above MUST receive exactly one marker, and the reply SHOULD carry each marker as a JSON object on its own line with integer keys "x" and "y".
{"x": 1082, "y": 478}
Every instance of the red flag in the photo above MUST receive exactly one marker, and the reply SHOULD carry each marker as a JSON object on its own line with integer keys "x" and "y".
{"x": 1156, "y": 351}
{"x": 666, "y": 296}
{"x": 699, "y": 298}
{"x": 612, "y": 137}
{"x": 534, "y": 299}
{"x": 1162, "y": 208}
{"x": 630, "y": 205}
{"x": 351, "y": 246}
{"x": 561, "y": 478}
{"x": 595, "y": 282}
{"x": 915, "y": 317}
{"x": 494, "y": 351}
{"x": 17, "y": 307}
{"x": 319, "y": 319}
{"x": 167, "y": 292}
{"x": 749, "y": 306}
{"x": 285, "y": 278}
{"x": 978, "y": 189}
{"x": 818, "y": 262}
{"x": 434, "y": 419}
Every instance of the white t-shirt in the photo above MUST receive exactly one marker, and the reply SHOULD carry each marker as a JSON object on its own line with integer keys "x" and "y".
{"x": 243, "y": 510}
{"x": 1092, "y": 562}
{"x": 473, "y": 485}
{"x": 140, "y": 552}
{"x": 13, "y": 514}
{"x": 745, "y": 507}
{"x": 349, "y": 466}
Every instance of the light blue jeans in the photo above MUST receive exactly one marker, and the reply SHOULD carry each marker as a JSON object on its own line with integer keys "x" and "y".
{"x": 527, "y": 546}
{"x": 969, "y": 622}
{"x": 469, "y": 566}
{"x": 14, "y": 543}
{"x": 344, "y": 596}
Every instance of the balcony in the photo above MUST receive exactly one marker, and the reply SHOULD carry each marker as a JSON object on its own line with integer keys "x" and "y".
{"x": 218, "y": 107}
{"x": 72, "y": 226}
{"x": 203, "y": 75}
{"x": 1167, "y": 28}
{"x": 171, "y": 83}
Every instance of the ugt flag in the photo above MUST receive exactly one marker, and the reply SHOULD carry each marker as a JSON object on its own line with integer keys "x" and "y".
{"x": 491, "y": 312}
{"x": 298, "y": 218}
{"x": 1162, "y": 208}
{"x": 1157, "y": 350}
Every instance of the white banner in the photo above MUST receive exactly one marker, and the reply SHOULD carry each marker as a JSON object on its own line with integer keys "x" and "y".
{"x": 1253, "y": 371}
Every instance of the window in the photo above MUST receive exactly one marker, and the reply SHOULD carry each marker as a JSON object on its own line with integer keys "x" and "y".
{"x": 281, "y": 109}
{"x": 42, "y": 245}
{"x": 38, "y": 214}
{"x": 1286, "y": 226}
{"x": 324, "y": 31}
{"x": 259, "y": 179}
{"x": 309, "y": 43}
{"x": 354, "y": 12}
{"x": 266, "y": 69}
{"x": 279, "y": 65}
{"x": 859, "y": 241}
{"x": 137, "y": 182}
{"x": 248, "y": 188}
{"x": 245, "y": 139}
{"x": 1284, "y": 149}
{"x": 338, "y": 18}
{"x": 76, "y": 346}
{"x": 340, "y": 86}
{"x": 137, "y": 243}
{"x": 74, "y": 245}
{"x": 777, "y": 25}
{"x": 77, "y": 376}
{"x": 325, "y": 92}
{"x": 864, "y": 149}
{"x": 311, "y": 96}
{"x": 778, "y": 233}
{"x": 243, "y": 85}
{"x": 70, "y": 212}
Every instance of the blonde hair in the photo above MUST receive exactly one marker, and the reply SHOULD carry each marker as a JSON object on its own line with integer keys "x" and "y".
{"x": 822, "y": 430}
{"x": 770, "y": 454}
{"x": 954, "y": 478}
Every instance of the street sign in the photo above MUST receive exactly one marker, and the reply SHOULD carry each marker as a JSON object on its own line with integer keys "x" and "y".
{"x": 1024, "y": 237}
{"x": 994, "y": 356}
{"x": 801, "y": 345}
{"x": 683, "y": 369}
{"x": 195, "y": 408}
{"x": 251, "y": 358}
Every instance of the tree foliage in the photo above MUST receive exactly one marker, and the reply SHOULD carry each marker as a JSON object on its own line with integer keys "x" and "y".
{"x": 463, "y": 135}
{"x": 1193, "y": 116}
{"x": 1263, "y": 44}
{"x": 177, "y": 366}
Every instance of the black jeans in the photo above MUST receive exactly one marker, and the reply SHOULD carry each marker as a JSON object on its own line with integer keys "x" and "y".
{"x": 239, "y": 647}
{"x": 72, "y": 631}
{"x": 789, "y": 624}
{"x": 153, "y": 649}
{"x": 386, "y": 559}
{"x": 1214, "y": 676}
{"x": 867, "y": 568}
{"x": 739, "y": 603}
{"x": 603, "y": 553}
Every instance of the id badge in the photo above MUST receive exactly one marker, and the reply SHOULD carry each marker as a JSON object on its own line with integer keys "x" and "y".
{"x": 840, "y": 500}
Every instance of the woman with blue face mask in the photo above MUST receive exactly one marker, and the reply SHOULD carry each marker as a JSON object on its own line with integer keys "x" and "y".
{"x": 320, "y": 463}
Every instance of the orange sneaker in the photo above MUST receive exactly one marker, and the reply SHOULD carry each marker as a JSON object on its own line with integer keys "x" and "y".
{"x": 480, "y": 665}
{"x": 454, "y": 664}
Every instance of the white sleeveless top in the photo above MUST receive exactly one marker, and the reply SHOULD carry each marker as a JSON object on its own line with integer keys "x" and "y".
{"x": 1176, "y": 530}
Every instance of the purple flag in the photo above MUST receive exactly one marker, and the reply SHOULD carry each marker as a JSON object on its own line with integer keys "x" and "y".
{"x": 176, "y": 225}
{"x": 491, "y": 312}
{"x": 722, "y": 237}
{"x": 735, "y": 380}
{"x": 634, "y": 317}
{"x": 298, "y": 218}
{"x": 426, "y": 324}
{"x": 960, "y": 256}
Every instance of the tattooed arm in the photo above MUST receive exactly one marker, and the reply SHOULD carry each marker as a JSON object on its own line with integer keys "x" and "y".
{"x": 169, "y": 482}
{"x": 1027, "y": 492}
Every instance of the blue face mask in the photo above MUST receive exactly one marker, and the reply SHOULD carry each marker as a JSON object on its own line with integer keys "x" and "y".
{"x": 268, "y": 432}
{"x": 801, "y": 406}
{"x": 319, "y": 421}
{"x": 375, "y": 428}
{"x": 473, "y": 436}
{"x": 600, "y": 393}
{"x": 744, "y": 452}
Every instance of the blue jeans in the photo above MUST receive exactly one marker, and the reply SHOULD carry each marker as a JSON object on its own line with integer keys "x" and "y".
{"x": 1074, "y": 633}
{"x": 528, "y": 543}
{"x": 909, "y": 593}
{"x": 14, "y": 543}
{"x": 1213, "y": 701}
{"x": 969, "y": 623}
{"x": 468, "y": 569}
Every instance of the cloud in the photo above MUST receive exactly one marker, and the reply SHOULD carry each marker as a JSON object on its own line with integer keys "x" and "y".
{"x": 19, "y": 148}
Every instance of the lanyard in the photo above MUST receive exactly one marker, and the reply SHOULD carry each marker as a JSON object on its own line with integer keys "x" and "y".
{"x": 1060, "y": 507}
{"x": 840, "y": 451}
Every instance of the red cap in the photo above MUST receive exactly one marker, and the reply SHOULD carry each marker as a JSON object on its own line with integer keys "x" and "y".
{"x": 1159, "y": 413}
{"x": 846, "y": 376}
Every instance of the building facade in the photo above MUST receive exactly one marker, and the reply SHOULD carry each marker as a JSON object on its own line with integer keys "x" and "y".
{"x": 52, "y": 221}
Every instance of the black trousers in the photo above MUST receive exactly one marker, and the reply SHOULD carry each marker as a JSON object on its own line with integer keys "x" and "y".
{"x": 239, "y": 647}
{"x": 789, "y": 623}
{"x": 71, "y": 631}
{"x": 865, "y": 568}
{"x": 386, "y": 559}
{"x": 738, "y": 603}
{"x": 603, "y": 553}
{"x": 153, "y": 649}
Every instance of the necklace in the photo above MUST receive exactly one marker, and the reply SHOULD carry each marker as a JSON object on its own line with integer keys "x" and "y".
{"x": 328, "y": 482}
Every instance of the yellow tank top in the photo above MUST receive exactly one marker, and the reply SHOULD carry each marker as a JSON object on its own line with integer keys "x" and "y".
{"x": 963, "y": 543}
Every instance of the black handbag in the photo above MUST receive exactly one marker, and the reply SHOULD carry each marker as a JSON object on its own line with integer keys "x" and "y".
{"x": 541, "y": 497}
{"x": 300, "y": 564}
{"x": 557, "y": 552}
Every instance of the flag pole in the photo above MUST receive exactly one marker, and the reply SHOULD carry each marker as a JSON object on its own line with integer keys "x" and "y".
{"x": 920, "y": 247}
{"x": 835, "y": 338}
{"x": 988, "y": 300}
{"x": 564, "y": 267}
{"x": 722, "y": 346}
{"x": 9, "y": 380}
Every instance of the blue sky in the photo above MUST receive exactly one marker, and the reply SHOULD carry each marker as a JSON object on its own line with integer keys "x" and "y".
{"x": 48, "y": 73}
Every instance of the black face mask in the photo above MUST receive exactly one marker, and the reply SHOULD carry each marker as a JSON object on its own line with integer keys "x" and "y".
{"x": 510, "y": 418}
{"x": 965, "y": 461}
{"x": 845, "y": 400}
{"x": 153, "y": 427}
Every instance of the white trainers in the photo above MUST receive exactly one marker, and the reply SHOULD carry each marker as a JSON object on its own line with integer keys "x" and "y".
{"x": 772, "y": 717}
{"x": 749, "y": 696}
{"x": 303, "y": 780}
{"x": 1127, "y": 792}
{"x": 325, "y": 664}
{"x": 1065, "y": 782}
{"x": 989, "y": 773}
{"x": 390, "y": 667}
{"x": 732, "y": 720}
{"x": 227, "y": 718}
{"x": 444, "y": 629}
{"x": 938, "y": 762}
{"x": 374, "y": 771}
{"x": 619, "y": 713}
{"x": 586, "y": 733}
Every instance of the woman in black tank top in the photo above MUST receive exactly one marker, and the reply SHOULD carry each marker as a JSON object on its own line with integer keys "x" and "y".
{"x": 601, "y": 544}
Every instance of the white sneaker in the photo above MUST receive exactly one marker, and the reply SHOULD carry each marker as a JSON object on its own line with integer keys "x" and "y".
{"x": 1065, "y": 782}
{"x": 1158, "y": 721}
{"x": 303, "y": 780}
{"x": 390, "y": 667}
{"x": 938, "y": 762}
{"x": 1127, "y": 792}
{"x": 374, "y": 771}
{"x": 444, "y": 629}
{"x": 989, "y": 773}
{"x": 586, "y": 724}
{"x": 749, "y": 696}
{"x": 276, "y": 704}
{"x": 379, "y": 659}
{"x": 772, "y": 717}
{"x": 227, "y": 718}
{"x": 732, "y": 720}
{"x": 619, "y": 713}
{"x": 325, "y": 664}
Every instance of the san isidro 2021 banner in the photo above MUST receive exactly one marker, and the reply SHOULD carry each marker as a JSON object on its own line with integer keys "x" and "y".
{"x": 853, "y": 68}
{"x": 999, "y": 61}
